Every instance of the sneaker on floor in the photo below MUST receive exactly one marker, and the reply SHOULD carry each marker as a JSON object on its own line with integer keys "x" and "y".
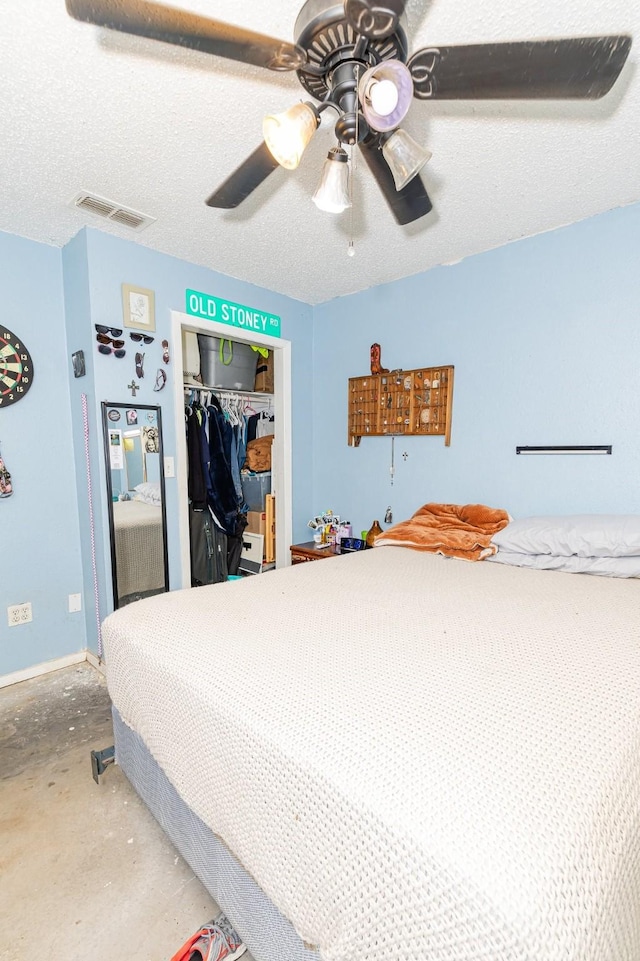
{"x": 210, "y": 946}
{"x": 236, "y": 945}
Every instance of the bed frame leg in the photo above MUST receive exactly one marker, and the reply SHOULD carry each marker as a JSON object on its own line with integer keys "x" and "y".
{"x": 100, "y": 760}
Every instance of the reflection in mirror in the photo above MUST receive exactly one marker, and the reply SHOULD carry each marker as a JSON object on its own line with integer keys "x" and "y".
{"x": 137, "y": 511}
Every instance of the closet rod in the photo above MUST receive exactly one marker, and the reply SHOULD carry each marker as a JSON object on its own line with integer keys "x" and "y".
{"x": 228, "y": 392}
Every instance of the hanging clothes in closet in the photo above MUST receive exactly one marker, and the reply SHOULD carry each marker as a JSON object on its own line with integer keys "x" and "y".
{"x": 207, "y": 541}
{"x": 217, "y": 435}
{"x": 261, "y": 424}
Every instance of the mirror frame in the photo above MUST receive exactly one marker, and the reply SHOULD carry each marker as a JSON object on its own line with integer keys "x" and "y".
{"x": 106, "y": 426}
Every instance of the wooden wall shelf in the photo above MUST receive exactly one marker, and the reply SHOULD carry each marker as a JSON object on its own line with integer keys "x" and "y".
{"x": 415, "y": 403}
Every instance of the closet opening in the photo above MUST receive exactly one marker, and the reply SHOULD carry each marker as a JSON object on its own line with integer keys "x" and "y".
{"x": 276, "y": 405}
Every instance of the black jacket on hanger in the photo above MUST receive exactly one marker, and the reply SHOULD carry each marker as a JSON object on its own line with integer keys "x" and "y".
{"x": 195, "y": 482}
{"x": 222, "y": 495}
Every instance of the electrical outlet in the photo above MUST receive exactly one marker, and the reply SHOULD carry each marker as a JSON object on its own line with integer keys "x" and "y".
{"x": 19, "y": 614}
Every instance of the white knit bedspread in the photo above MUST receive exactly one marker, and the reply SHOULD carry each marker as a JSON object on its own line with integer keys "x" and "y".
{"x": 416, "y": 758}
{"x": 139, "y": 542}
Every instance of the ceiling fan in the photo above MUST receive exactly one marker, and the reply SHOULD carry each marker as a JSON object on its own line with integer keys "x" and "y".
{"x": 353, "y": 57}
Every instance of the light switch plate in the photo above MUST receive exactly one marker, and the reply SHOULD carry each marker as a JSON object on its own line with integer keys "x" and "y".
{"x": 169, "y": 467}
{"x": 75, "y": 603}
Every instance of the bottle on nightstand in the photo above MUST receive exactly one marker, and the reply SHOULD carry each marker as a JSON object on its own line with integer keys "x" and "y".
{"x": 374, "y": 531}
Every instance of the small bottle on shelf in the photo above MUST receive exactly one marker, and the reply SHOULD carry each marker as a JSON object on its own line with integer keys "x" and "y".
{"x": 374, "y": 531}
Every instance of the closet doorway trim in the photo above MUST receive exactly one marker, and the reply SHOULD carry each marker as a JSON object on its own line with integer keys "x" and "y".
{"x": 281, "y": 460}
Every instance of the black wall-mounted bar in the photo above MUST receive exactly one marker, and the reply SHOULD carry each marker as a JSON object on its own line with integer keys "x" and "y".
{"x": 567, "y": 449}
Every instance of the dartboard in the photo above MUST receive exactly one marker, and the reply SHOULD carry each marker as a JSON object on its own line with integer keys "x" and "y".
{"x": 16, "y": 368}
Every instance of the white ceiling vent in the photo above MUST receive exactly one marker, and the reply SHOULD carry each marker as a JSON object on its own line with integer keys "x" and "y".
{"x": 110, "y": 210}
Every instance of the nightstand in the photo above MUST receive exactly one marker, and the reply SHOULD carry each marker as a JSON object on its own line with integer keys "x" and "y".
{"x": 309, "y": 551}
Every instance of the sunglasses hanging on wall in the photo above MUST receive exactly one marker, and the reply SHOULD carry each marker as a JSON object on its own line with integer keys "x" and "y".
{"x": 117, "y": 351}
{"x": 114, "y": 331}
{"x": 103, "y": 339}
{"x": 141, "y": 337}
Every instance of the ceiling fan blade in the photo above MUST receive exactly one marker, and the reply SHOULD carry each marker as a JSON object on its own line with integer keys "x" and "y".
{"x": 244, "y": 179}
{"x": 408, "y": 204}
{"x": 585, "y": 67}
{"x": 158, "y": 22}
{"x": 375, "y": 19}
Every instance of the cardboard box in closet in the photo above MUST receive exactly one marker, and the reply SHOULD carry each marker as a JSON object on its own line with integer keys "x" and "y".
{"x": 263, "y": 522}
{"x": 256, "y": 522}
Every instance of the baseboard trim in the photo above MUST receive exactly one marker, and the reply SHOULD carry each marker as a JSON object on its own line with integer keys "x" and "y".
{"x": 96, "y": 662}
{"x": 37, "y": 670}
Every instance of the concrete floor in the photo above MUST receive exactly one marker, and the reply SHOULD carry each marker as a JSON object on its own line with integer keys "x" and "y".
{"x": 85, "y": 871}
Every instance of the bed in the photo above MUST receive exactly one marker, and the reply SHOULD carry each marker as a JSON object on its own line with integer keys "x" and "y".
{"x": 395, "y": 755}
{"x": 139, "y": 547}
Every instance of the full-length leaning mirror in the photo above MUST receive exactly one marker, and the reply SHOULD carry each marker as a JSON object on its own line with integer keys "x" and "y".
{"x": 137, "y": 507}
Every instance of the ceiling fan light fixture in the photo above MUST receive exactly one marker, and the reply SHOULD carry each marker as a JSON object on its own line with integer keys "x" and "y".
{"x": 384, "y": 96}
{"x": 405, "y": 158}
{"x": 288, "y": 134}
{"x": 332, "y": 194}
{"x": 385, "y": 92}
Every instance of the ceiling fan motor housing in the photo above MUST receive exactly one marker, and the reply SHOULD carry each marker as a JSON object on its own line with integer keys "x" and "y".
{"x": 329, "y": 40}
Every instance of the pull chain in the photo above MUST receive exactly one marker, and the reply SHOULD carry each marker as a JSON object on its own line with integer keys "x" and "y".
{"x": 351, "y": 248}
{"x": 392, "y": 469}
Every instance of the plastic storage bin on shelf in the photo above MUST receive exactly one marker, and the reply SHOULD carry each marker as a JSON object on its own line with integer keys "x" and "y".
{"x": 227, "y": 363}
{"x": 255, "y": 487}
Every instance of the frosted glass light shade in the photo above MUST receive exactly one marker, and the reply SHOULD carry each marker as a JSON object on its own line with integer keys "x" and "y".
{"x": 288, "y": 134}
{"x": 404, "y": 157}
{"x": 332, "y": 194}
{"x": 383, "y": 107}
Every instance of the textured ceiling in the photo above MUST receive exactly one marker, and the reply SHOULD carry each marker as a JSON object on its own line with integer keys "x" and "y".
{"x": 156, "y": 128}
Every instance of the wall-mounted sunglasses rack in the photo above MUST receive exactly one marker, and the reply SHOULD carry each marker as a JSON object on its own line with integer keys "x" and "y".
{"x": 110, "y": 340}
{"x": 415, "y": 403}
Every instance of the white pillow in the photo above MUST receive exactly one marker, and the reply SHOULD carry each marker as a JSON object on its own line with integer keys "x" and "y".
{"x": 149, "y": 501}
{"x": 587, "y": 535}
{"x": 605, "y": 566}
{"x": 149, "y": 492}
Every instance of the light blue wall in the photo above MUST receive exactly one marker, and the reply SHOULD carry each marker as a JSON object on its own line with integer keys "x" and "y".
{"x": 39, "y": 528}
{"x": 111, "y": 262}
{"x": 53, "y": 299}
{"x": 544, "y": 335}
{"x": 82, "y": 393}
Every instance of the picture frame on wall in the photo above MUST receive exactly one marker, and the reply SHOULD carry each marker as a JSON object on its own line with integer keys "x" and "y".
{"x": 138, "y": 307}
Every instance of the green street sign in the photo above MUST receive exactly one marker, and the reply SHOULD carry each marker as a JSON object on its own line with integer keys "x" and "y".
{"x": 236, "y": 315}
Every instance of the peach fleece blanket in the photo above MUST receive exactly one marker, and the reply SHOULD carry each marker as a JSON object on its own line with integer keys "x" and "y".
{"x": 456, "y": 530}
